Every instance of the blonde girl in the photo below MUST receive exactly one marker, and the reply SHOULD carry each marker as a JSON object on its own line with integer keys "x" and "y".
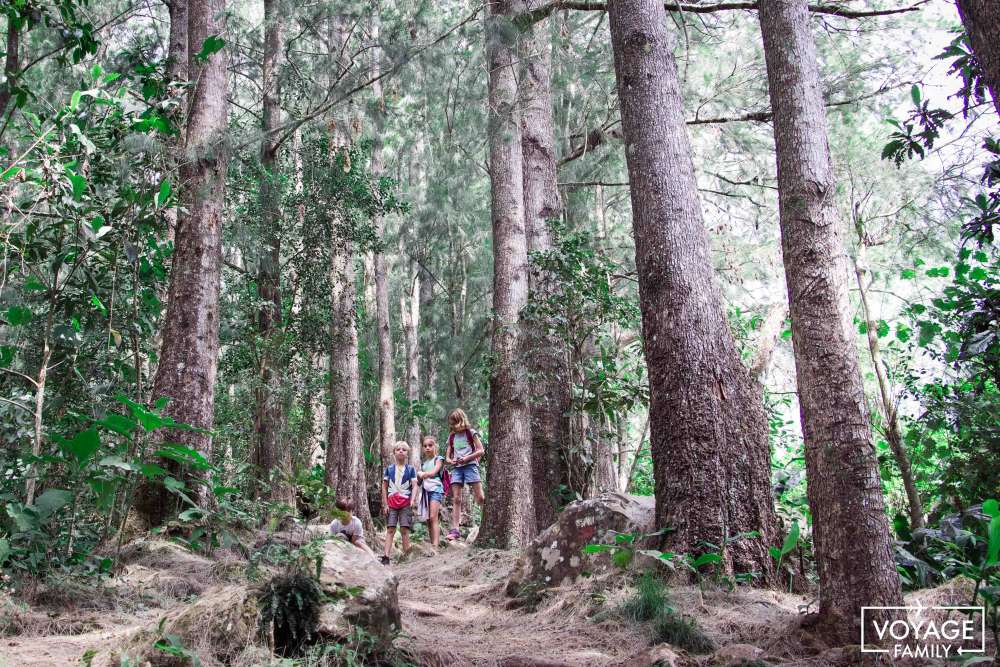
{"x": 465, "y": 448}
{"x": 431, "y": 485}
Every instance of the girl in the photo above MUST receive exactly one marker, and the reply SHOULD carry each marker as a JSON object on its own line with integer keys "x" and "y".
{"x": 432, "y": 493}
{"x": 464, "y": 451}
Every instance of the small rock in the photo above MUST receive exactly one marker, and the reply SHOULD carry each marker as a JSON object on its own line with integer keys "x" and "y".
{"x": 736, "y": 654}
{"x": 661, "y": 655}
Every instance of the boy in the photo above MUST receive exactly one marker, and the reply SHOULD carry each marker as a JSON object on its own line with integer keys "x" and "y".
{"x": 352, "y": 530}
{"x": 399, "y": 497}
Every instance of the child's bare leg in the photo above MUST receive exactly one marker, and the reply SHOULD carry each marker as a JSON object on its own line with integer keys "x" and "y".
{"x": 435, "y": 524}
{"x": 405, "y": 532}
{"x": 477, "y": 493}
{"x": 456, "y": 506}
{"x": 390, "y": 534}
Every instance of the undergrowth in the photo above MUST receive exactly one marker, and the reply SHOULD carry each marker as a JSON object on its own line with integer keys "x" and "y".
{"x": 650, "y": 606}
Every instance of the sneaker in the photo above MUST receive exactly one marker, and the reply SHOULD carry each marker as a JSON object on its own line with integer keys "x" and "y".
{"x": 453, "y": 535}
{"x": 384, "y": 560}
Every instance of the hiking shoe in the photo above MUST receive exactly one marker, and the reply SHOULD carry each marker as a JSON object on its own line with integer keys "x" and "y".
{"x": 384, "y": 560}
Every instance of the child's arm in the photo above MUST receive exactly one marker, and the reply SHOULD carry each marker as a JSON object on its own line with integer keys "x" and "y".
{"x": 477, "y": 449}
{"x": 414, "y": 491}
{"x": 450, "y": 453}
{"x": 438, "y": 463}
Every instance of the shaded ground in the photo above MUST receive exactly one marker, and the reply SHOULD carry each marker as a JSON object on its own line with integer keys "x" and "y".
{"x": 454, "y": 612}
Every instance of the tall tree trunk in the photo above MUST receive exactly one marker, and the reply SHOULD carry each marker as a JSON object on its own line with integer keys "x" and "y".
{"x": 770, "y": 332}
{"x": 850, "y": 529}
{"x": 893, "y": 435}
{"x": 711, "y": 461}
{"x": 189, "y": 355}
{"x": 386, "y": 399}
{"x": 545, "y": 352}
{"x": 981, "y": 19}
{"x": 177, "y": 48}
{"x": 353, "y": 483}
{"x": 11, "y": 65}
{"x": 271, "y": 456}
{"x": 409, "y": 309}
{"x": 509, "y": 515}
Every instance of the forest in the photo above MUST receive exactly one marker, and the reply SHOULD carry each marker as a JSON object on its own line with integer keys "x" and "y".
{"x": 534, "y": 333}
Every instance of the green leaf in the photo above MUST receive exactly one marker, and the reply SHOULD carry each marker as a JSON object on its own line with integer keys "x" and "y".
{"x": 9, "y": 173}
{"x": 118, "y": 424}
{"x": 164, "y": 195}
{"x": 182, "y": 454}
{"x": 78, "y": 182}
{"x": 96, "y": 71}
{"x": 118, "y": 462}
{"x": 4, "y": 551}
{"x": 993, "y": 542}
{"x": 915, "y": 94}
{"x": 791, "y": 540}
{"x": 598, "y": 548}
{"x": 74, "y": 100}
{"x": 908, "y": 274}
{"x": 991, "y": 508}
{"x": 84, "y": 445}
{"x": 775, "y": 552}
{"x": 151, "y": 471}
{"x": 622, "y": 558}
{"x": 33, "y": 284}
{"x": 882, "y": 329}
{"x": 52, "y": 500}
{"x": 18, "y": 315}
{"x": 212, "y": 44}
{"x": 706, "y": 559}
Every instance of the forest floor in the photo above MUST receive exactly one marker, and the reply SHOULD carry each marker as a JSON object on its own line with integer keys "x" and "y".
{"x": 454, "y": 612}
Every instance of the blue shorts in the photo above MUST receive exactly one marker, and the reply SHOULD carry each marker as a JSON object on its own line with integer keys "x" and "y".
{"x": 467, "y": 474}
{"x": 435, "y": 496}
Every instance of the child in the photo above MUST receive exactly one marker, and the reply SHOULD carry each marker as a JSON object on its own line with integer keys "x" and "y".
{"x": 399, "y": 497}
{"x": 352, "y": 530}
{"x": 432, "y": 488}
{"x": 464, "y": 451}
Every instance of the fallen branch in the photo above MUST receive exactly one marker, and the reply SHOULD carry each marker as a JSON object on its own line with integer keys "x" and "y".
{"x": 832, "y": 10}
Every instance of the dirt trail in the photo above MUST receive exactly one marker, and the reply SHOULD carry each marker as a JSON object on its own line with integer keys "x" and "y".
{"x": 455, "y": 612}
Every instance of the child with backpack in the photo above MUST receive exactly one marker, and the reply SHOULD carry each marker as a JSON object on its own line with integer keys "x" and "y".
{"x": 464, "y": 451}
{"x": 399, "y": 497}
{"x": 434, "y": 481}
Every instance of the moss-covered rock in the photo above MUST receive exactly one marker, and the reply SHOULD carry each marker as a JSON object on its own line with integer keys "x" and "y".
{"x": 556, "y": 555}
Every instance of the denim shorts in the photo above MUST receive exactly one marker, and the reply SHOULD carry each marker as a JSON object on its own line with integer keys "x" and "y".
{"x": 435, "y": 496}
{"x": 467, "y": 474}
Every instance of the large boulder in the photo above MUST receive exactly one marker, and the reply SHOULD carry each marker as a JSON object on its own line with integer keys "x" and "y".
{"x": 364, "y": 594}
{"x": 359, "y": 602}
{"x": 556, "y": 556}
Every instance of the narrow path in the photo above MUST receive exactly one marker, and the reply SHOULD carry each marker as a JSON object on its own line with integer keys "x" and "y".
{"x": 455, "y": 612}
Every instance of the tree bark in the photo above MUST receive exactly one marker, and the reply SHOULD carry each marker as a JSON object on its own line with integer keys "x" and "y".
{"x": 981, "y": 19}
{"x": 509, "y": 516}
{"x": 546, "y": 353}
{"x": 893, "y": 435}
{"x": 386, "y": 399}
{"x": 711, "y": 459}
{"x": 409, "y": 309}
{"x": 770, "y": 331}
{"x": 271, "y": 457}
{"x": 344, "y": 439}
{"x": 850, "y": 529}
{"x": 11, "y": 65}
{"x": 189, "y": 355}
